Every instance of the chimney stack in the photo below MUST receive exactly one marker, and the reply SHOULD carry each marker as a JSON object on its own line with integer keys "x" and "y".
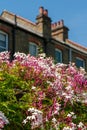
{"x": 59, "y": 30}
{"x": 44, "y": 23}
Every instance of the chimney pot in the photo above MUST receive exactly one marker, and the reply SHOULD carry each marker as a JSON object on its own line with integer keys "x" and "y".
{"x": 58, "y": 23}
{"x": 55, "y": 24}
{"x": 62, "y": 22}
{"x": 46, "y": 12}
{"x": 41, "y": 10}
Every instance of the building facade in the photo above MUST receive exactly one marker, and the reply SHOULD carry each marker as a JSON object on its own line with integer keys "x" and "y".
{"x": 21, "y": 35}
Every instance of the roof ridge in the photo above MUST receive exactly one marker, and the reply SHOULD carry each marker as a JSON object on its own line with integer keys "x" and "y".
{"x": 20, "y": 17}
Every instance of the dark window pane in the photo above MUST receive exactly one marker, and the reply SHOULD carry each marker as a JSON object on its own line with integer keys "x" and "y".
{"x": 2, "y": 37}
{"x": 58, "y": 56}
{"x": 33, "y": 49}
{"x": 79, "y": 63}
{"x": 3, "y": 43}
{"x": 2, "y": 49}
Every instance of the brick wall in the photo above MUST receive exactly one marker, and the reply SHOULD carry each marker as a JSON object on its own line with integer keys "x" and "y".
{"x": 43, "y": 33}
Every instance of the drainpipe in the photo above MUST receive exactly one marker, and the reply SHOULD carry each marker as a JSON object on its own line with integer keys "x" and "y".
{"x": 70, "y": 55}
{"x": 13, "y": 38}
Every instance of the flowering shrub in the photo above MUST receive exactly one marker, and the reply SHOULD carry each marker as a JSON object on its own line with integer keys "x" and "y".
{"x": 35, "y": 93}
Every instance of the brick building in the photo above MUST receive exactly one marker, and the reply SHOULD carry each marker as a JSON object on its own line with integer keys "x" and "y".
{"x": 19, "y": 34}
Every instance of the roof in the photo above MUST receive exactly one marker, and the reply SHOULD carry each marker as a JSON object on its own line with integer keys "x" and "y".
{"x": 31, "y": 27}
{"x": 20, "y": 22}
{"x": 76, "y": 46}
{"x": 71, "y": 44}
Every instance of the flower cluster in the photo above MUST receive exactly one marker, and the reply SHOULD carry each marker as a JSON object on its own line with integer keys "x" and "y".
{"x": 4, "y": 56}
{"x": 3, "y": 120}
{"x": 34, "y": 116}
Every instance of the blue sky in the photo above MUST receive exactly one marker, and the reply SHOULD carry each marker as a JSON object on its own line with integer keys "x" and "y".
{"x": 73, "y": 12}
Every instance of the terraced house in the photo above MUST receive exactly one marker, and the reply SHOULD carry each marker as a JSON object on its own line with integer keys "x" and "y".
{"x": 18, "y": 34}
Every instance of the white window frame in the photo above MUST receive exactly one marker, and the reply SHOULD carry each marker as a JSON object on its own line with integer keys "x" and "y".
{"x": 78, "y": 58}
{"x": 3, "y": 33}
{"x": 56, "y": 49}
{"x": 31, "y": 43}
